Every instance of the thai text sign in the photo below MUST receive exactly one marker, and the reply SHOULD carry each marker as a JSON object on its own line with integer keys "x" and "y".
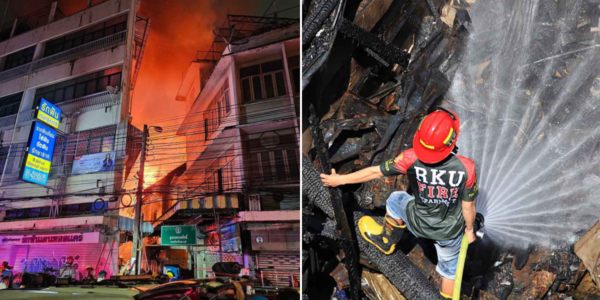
{"x": 39, "y": 157}
{"x": 92, "y": 163}
{"x": 76, "y": 238}
{"x": 49, "y": 113}
{"x": 178, "y": 235}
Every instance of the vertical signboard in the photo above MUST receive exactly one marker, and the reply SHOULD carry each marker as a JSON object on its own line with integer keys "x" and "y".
{"x": 49, "y": 113}
{"x": 39, "y": 155}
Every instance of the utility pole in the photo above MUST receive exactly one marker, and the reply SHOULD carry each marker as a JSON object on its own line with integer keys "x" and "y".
{"x": 138, "y": 205}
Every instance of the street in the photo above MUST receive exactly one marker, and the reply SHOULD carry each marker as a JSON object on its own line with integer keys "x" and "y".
{"x": 78, "y": 292}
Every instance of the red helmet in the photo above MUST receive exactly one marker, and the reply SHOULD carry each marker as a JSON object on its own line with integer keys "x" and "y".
{"x": 436, "y": 136}
{"x": 70, "y": 260}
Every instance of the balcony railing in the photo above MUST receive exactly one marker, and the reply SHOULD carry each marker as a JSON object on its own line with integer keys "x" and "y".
{"x": 82, "y": 104}
{"x": 90, "y": 102}
{"x": 88, "y": 49}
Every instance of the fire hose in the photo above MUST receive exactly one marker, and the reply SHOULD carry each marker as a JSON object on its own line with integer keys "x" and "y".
{"x": 462, "y": 256}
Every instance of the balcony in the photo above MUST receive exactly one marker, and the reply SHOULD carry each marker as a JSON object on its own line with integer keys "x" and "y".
{"x": 88, "y": 49}
{"x": 28, "y": 22}
{"x": 83, "y": 104}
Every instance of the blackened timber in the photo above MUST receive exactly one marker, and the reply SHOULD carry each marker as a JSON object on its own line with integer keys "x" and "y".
{"x": 341, "y": 221}
{"x": 312, "y": 24}
{"x": 389, "y": 18}
{"x": 433, "y": 10}
{"x": 379, "y": 49}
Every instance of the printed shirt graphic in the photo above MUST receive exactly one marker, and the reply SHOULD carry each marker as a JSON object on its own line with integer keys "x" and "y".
{"x": 439, "y": 190}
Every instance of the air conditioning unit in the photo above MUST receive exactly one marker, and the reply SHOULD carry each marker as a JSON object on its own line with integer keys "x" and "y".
{"x": 254, "y": 202}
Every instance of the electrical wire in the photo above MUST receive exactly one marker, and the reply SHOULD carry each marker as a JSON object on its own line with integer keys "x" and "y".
{"x": 175, "y": 132}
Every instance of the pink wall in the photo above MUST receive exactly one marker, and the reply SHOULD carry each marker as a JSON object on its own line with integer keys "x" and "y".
{"x": 53, "y": 256}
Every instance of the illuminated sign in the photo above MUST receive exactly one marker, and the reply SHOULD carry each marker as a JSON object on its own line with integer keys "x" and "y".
{"x": 74, "y": 238}
{"x": 178, "y": 235}
{"x": 49, "y": 113}
{"x": 39, "y": 157}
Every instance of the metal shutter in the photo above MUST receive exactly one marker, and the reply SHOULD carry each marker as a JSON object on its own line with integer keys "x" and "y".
{"x": 284, "y": 264}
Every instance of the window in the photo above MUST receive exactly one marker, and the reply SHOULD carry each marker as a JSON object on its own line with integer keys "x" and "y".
{"x": 44, "y": 212}
{"x": 76, "y": 209}
{"x": 275, "y": 161}
{"x": 294, "y": 66}
{"x": 263, "y": 81}
{"x": 224, "y": 165}
{"x": 85, "y": 36}
{"x": 217, "y": 111}
{"x": 15, "y": 158}
{"x": 19, "y": 58}
{"x": 3, "y": 156}
{"x": 79, "y": 87}
{"x": 9, "y": 105}
{"x": 83, "y": 143}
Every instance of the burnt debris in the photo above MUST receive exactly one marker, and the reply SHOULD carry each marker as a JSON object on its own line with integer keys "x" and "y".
{"x": 371, "y": 70}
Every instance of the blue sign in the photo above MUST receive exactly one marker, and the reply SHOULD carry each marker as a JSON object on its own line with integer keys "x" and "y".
{"x": 49, "y": 113}
{"x": 39, "y": 156}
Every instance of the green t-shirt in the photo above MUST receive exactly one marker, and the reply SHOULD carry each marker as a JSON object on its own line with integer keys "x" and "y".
{"x": 439, "y": 190}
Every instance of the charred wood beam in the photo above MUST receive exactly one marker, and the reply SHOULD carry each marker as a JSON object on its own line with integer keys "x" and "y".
{"x": 388, "y": 18}
{"x": 314, "y": 21}
{"x": 385, "y": 53}
{"x": 341, "y": 221}
{"x": 433, "y": 10}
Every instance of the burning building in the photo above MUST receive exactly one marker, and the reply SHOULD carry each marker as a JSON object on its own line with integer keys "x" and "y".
{"x": 240, "y": 183}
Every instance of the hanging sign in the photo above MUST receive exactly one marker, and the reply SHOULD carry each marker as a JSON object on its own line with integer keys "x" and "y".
{"x": 38, "y": 159}
{"x": 49, "y": 113}
{"x": 183, "y": 235}
{"x": 93, "y": 163}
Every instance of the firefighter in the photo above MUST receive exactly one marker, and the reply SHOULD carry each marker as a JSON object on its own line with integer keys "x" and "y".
{"x": 67, "y": 270}
{"x": 444, "y": 188}
{"x": 89, "y": 273}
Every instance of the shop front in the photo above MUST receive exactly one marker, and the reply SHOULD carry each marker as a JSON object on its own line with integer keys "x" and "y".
{"x": 36, "y": 252}
{"x": 276, "y": 248}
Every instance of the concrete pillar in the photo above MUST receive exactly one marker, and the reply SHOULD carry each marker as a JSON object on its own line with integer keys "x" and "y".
{"x": 52, "y": 12}
{"x": 28, "y": 97}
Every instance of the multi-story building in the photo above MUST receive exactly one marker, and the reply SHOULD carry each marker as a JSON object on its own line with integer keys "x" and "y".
{"x": 86, "y": 63}
{"x": 242, "y": 149}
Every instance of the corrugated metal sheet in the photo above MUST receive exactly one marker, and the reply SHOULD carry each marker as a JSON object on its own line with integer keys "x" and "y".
{"x": 284, "y": 266}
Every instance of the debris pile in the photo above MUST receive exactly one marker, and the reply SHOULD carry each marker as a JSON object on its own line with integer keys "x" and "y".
{"x": 371, "y": 70}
